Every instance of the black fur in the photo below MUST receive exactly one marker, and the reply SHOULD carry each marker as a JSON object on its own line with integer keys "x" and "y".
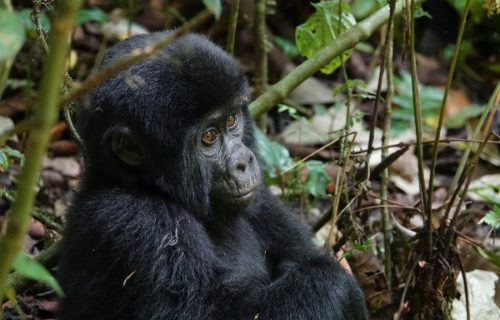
{"x": 150, "y": 242}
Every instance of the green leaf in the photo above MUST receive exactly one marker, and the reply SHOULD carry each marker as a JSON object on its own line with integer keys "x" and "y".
{"x": 322, "y": 28}
{"x": 31, "y": 269}
{"x": 492, "y": 218}
{"x": 457, "y": 119}
{"x": 11, "y": 34}
{"x": 92, "y": 15}
{"x": 215, "y": 6}
{"x": 317, "y": 179}
{"x": 273, "y": 157}
{"x": 292, "y": 112}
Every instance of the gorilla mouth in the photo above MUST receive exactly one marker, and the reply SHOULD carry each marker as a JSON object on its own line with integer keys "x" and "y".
{"x": 244, "y": 195}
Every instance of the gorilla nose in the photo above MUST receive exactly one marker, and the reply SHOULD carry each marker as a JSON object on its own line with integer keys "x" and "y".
{"x": 242, "y": 166}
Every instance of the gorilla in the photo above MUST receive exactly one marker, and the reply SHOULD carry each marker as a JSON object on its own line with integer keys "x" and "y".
{"x": 172, "y": 220}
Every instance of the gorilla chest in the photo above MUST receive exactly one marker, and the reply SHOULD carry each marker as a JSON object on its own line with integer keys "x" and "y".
{"x": 242, "y": 259}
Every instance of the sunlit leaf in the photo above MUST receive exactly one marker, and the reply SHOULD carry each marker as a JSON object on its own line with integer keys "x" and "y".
{"x": 322, "y": 28}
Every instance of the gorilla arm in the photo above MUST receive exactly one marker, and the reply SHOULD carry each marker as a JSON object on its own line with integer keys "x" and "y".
{"x": 307, "y": 283}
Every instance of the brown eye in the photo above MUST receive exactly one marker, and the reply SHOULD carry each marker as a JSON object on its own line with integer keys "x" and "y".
{"x": 232, "y": 120}
{"x": 209, "y": 137}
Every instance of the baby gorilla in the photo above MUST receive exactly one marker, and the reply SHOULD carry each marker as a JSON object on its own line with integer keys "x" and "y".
{"x": 172, "y": 220}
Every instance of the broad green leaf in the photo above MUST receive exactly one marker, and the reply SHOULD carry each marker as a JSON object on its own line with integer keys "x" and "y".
{"x": 31, "y": 269}
{"x": 322, "y": 28}
{"x": 274, "y": 157}
{"x": 92, "y": 15}
{"x": 11, "y": 34}
{"x": 317, "y": 178}
{"x": 215, "y": 6}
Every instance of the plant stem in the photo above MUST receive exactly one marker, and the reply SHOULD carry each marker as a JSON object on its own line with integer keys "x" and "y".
{"x": 417, "y": 112}
{"x": 455, "y": 183}
{"x": 233, "y": 25}
{"x": 260, "y": 56}
{"x": 44, "y": 119}
{"x": 386, "y": 220}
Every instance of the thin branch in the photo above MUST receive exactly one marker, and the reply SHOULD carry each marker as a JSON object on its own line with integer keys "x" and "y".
{"x": 417, "y": 112}
{"x": 338, "y": 190}
{"x": 233, "y": 25}
{"x": 374, "y": 114}
{"x": 386, "y": 221}
{"x": 261, "y": 77}
{"x": 466, "y": 286}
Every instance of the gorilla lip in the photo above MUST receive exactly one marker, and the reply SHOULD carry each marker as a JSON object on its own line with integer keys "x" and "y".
{"x": 245, "y": 195}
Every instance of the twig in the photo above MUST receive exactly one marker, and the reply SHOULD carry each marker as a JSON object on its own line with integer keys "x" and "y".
{"x": 374, "y": 115}
{"x": 261, "y": 77}
{"x": 233, "y": 25}
{"x": 466, "y": 285}
{"x": 410, "y": 13}
{"x": 338, "y": 191}
{"x": 386, "y": 221}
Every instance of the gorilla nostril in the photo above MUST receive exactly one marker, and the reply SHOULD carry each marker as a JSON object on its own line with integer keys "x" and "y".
{"x": 241, "y": 167}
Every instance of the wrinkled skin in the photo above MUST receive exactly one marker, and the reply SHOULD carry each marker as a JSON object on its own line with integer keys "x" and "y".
{"x": 172, "y": 220}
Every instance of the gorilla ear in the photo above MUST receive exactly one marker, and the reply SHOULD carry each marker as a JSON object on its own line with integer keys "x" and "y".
{"x": 125, "y": 146}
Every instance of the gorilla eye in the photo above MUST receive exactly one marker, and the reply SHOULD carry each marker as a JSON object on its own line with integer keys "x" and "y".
{"x": 209, "y": 137}
{"x": 232, "y": 120}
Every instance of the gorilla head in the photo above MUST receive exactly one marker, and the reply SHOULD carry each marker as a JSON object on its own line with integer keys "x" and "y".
{"x": 176, "y": 123}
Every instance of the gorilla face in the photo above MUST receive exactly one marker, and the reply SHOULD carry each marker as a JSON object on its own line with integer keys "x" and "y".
{"x": 235, "y": 172}
{"x": 176, "y": 123}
